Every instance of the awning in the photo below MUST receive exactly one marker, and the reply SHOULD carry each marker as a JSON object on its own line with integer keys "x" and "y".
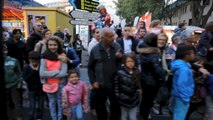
{"x": 10, "y": 13}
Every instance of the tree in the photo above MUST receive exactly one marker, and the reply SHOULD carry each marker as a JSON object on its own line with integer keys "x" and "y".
{"x": 129, "y": 9}
{"x": 198, "y": 17}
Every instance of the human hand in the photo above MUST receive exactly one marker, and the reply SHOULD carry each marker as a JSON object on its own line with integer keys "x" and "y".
{"x": 63, "y": 57}
{"x": 118, "y": 54}
{"x": 95, "y": 85}
{"x": 204, "y": 72}
{"x": 211, "y": 49}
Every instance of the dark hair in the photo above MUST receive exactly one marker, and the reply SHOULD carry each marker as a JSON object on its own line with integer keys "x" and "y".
{"x": 34, "y": 55}
{"x": 209, "y": 26}
{"x": 44, "y": 32}
{"x": 142, "y": 28}
{"x": 136, "y": 72}
{"x": 183, "y": 50}
{"x": 58, "y": 41}
{"x": 181, "y": 25}
{"x": 16, "y": 31}
{"x": 155, "y": 23}
{"x": 76, "y": 37}
{"x": 93, "y": 31}
{"x": 150, "y": 39}
{"x": 73, "y": 72}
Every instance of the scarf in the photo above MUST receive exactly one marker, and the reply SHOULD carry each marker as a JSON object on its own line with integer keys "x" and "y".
{"x": 49, "y": 55}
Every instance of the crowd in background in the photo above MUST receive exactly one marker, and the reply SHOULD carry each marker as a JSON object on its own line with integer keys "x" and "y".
{"x": 131, "y": 72}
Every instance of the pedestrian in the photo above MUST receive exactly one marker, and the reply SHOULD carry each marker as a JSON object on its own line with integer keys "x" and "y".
{"x": 41, "y": 45}
{"x": 128, "y": 43}
{"x": 104, "y": 61}
{"x": 74, "y": 97}
{"x": 78, "y": 46}
{"x": 152, "y": 72}
{"x": 95, "y": 39}
{"x": 183, "y": 81}
{"x": 53, "y": 71}
{"x": 127, "y": 87}
{"x": 34, "y": 38}
{"x": 67, "y": 37}
{"x": 59, "y": 33}
{"x": 13, "y": 80}
{"x": 32, "y": 78}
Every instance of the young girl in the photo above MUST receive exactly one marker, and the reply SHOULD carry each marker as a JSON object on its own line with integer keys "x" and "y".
{"x": 53, "y": 70}
{"x": 127, "y": 87}
{"x": 74, "y": 97}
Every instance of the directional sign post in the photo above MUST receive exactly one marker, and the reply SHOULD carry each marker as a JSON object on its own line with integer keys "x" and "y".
{"x": 87, "y": 5}
{"x": 84, "y": 15}
{"x": 80, "y": 22}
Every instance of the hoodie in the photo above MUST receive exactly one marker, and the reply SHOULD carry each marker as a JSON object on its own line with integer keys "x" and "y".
{"x": 183, "y": 82}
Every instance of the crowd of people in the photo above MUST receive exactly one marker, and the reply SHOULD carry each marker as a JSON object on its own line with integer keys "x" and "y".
{"x": 129, "y": 72}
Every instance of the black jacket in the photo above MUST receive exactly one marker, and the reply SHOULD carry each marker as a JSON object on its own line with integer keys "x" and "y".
{"x": 60, "y": 35}
{"x": 134, "y": 44}
{"x": 17, "y": 50}
{"x": 151, "y": 68}
{"x": 102, "y": 64}
{"x": 126, "y": 88}
{"x": 32, "y": 79}
{"x": 32, "y": 40}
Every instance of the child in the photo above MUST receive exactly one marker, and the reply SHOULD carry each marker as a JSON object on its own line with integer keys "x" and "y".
{"x": 32, "y": 78}
{"x": 53, "y": 71}
{"x": 183, "y": 82}
{"x": 74, "y": 97}
{"x": 13, "y": 80}
{"x": 127, "y": 87}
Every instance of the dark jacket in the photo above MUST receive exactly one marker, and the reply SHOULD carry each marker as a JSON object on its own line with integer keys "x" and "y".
{"x": 134, "y": 44}
{"x": 102, "y": 64}
{"x": 32, "y": 78}
{"x": 151, "y": 68}
{"x": 17, "y": 50}
{"x": 74, "y": 59}
{"x": 206, "y": 42}
{"x": 60, "y": 35}
{"x": 32, "y": 40}
{"x": 126, "y": 88}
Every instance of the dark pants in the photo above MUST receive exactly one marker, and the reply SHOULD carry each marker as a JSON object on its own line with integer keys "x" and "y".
{"x": 36, "y": 97}
{"x": 149, "y": 94}
{"x": 79, "y": 54}
{"x": 193, "y": 107}
{"x": 101, "y": 98}
{"x": 14, "y": 110}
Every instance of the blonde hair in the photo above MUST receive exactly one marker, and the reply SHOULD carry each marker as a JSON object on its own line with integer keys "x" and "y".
{"x": 155, "y": 23}
{"x": 163, "y": 35}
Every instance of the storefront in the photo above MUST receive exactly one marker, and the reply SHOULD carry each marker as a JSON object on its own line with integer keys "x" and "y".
{"x": 51, "y": 17}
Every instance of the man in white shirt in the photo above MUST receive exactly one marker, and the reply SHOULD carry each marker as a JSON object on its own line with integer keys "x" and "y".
{"x": 95, "y": 40}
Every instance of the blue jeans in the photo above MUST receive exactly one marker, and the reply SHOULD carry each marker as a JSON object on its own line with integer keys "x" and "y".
{"x": 131, "y": 112}
{"x": 76, "y": 112}
{"x": 179, "y": 108}
{"x": 55, "y": 101}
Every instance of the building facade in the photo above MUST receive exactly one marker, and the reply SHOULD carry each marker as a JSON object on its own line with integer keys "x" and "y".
{"x": 181, "y": 11}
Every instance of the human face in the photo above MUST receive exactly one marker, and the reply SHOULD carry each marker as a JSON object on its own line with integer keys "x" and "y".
{"x": 108, "y": 38}
{"x": 127, "y": 32}
{"x": 141, "y": 24}
{"x": 5, "y": 51}
{"x": 48, "y": 34}
{"x": 17, "y": 36}
{"x": 162, "y": 41}
{"x": 97, "y": 34}
{"x": 58, "y": 29}
{"x": 73, "y": 78}
{"x": 34, "y": 63}
{"x": 38, "y": 27}
{"x": 191, "y": 56}
{"x": 53, "y": 46}
{"x": 142, "y": 33}
{"x": 130, "y": 63}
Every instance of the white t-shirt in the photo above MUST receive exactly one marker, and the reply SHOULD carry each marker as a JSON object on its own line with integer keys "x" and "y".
{"x": 127, "y": 45}
{"x": 92, "y": 44}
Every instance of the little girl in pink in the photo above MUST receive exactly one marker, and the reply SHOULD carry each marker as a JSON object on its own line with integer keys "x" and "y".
{"x": 74, "y": 97}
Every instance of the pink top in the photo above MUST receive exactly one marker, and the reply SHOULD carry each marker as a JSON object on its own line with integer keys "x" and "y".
{"x": 53, "y": 65}
{"x": 75, "y": 94}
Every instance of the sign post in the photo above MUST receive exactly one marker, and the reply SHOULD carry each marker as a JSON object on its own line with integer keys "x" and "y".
{"x": 88, "y": 5}
{"x": 84, "y": 15}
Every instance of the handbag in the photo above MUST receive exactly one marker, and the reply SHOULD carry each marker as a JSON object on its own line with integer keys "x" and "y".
{"x": 50, "y": 88}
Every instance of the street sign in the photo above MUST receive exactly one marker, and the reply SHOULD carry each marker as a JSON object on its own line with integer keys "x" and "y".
{"x": 80, "y": 22}
{"x": 88, "y": 5}
{"x": 84, "y": 15}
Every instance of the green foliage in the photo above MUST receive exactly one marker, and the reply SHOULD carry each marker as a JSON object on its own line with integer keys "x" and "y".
{"x": 129, "y": 9}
